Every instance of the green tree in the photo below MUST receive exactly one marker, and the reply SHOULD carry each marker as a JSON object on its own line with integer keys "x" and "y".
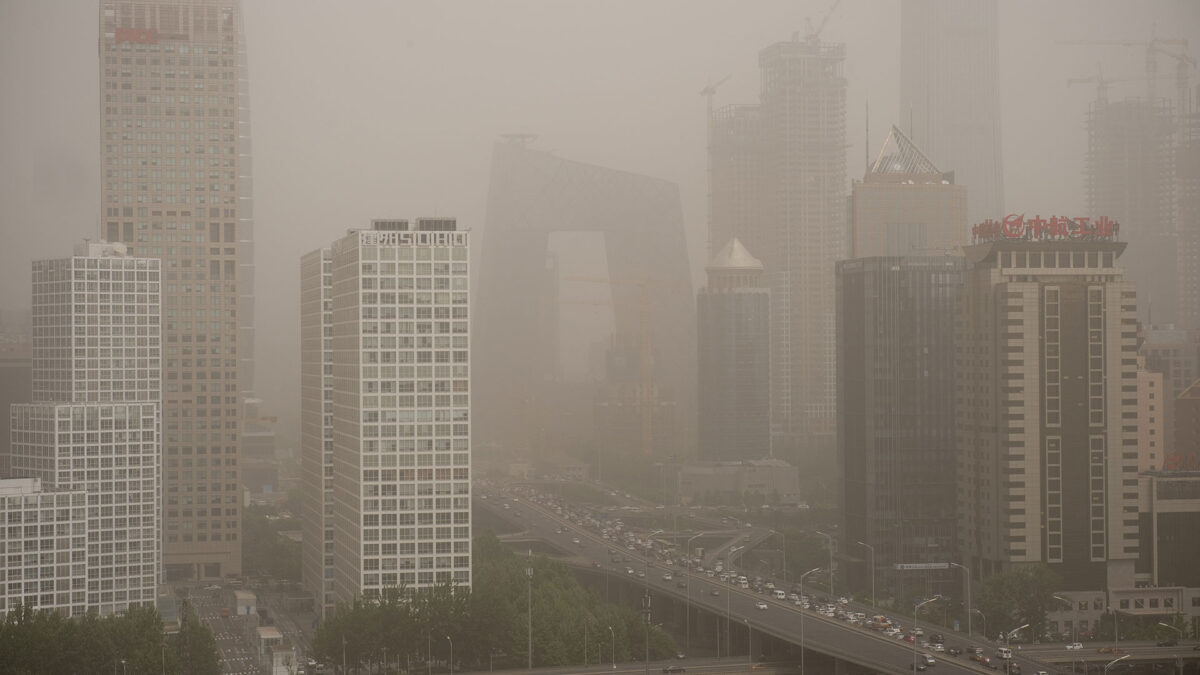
{"x": 1022, "y": 595}
{"x": 194, "y": 645}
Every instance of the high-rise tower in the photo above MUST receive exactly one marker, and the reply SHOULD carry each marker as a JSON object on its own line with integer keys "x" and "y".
{"x": 733, "y": 346}
{"x": 400, "y": 407}
{"x": 950, "y": 93}
{"x": 1047, "y": 438}
{"x": 778, "y": 185}
{"x": 316, "y": 426}
{"x": 93, "y": 427}
{"x": 176, "y": 186}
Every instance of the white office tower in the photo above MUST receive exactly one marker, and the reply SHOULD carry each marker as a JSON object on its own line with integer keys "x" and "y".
{"x": 93, "y": 425}
{"x": 43, "y": 545}
{"x": 401, "y": 407}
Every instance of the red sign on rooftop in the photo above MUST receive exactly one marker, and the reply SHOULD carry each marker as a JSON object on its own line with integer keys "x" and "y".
{"x": 1015, "y": 227}
{"x": 148, "y": 36}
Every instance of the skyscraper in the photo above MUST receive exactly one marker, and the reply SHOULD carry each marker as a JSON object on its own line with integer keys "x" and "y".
{"x": 1047, "y": 434}
{"x": 905, "y": 206}
{"x": 93, "y": 425}
{"x": 176, "y": 186}
{"x": 733, "y": 345}
{"x": 1130, "y": 177}
{"x": 778, "y": 185}
{"x": 1187, "y": 174}
{"x": 950, "y": 93}
{"x": 400, "y": 386}
{"x": 896, "y": 393}
{"x": 316, "y": 426}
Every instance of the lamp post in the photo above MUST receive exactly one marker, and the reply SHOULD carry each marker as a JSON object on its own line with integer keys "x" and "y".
{"x": 687, "y": 573}
{"x": 614, "y": 647}
{"x": 585, "y": 623}
{"x": 872, "y": 550}
{"x": 830, "y": 538}
{"x": 914, "y": 637}
{"x": 1119, "y": 658}
{"x": 124, "y": 671}
{"x": 529, "y": 604}
{"x": 451, "y": 654}
{"x": 802, "y": 576}
{"x": 1074, "y": 616}
{"x": 1177, "y": 630}
{"x": 984, "y": 617}
{"x": 967, "y": 573}
{"x": 749, "y": 645}
{"x": 729, "y": 592}
{"x": 1008, "y": 636}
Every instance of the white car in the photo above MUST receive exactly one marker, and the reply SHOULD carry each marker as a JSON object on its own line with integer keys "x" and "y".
{"x": 760, "y": 604}
{"x": 1075, "y": 645}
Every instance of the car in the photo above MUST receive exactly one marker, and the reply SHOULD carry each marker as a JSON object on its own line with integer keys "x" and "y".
{"x": 937, "y": 647}
{"x": 575, "y": 540}
{"x": 674, "y": 669}
{"x": 715, "y": 592}
{"x": 953, "y": 651}
{"x": 667, "y": 576}
{"x": 680, "y": 655}
{"x": 1169, "y": 642}
{"x": 760, "y": 604}
{"x": 918, "y": 666}
{"x": 681, "y": 584}
{"x": 1075, "y": 645}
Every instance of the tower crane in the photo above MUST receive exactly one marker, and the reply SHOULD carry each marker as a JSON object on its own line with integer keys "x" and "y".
{"x": 1155, "y": 46}
{"x": 814, "y": 34}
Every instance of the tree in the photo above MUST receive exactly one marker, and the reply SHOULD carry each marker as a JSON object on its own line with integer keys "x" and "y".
{"x": 194, "y": 645}
{"x": 1022, "y": 595}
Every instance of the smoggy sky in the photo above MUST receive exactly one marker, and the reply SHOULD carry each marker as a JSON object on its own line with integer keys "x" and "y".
{"x": 366, "y": 109}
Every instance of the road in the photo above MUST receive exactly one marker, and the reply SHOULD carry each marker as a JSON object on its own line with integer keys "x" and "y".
{"x": 780, "y": 619}
{"x": 238, "y": 656}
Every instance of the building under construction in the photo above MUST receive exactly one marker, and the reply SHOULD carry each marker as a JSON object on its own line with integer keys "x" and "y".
{"x": 1187, "y": 177}
{"x": 778, "y": 173}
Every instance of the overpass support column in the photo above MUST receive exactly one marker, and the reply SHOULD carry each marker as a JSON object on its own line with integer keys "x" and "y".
{"x": 839, "y": 667}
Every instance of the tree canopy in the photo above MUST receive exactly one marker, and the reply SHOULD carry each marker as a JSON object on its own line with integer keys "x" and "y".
{"x": 489, "y": 623}
{"x": 1022, "y": 595}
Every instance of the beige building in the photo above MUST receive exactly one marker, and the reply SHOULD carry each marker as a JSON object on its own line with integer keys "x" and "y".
{"x": 395, "y": 485}
{"x": 905, "y": 206}
{"x": 175, "y": 169}
{"x": 1046, "y": 372}
{"x": 1151, "y": 418}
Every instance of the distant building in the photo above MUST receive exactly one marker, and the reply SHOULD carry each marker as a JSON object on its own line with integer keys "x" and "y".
{"x": 1187, "y": 175}
{"x": 16, "y": 373}
{"x": 896, "y": 397}
{"x": 316, "y": 427}
{"x": 93, "y": 425}
{"x": 1130, "y": 178}
{"x": 1184, "y": 453}
{"x": 177, "y": 187}
{"x": 734, "y": 368}
{"x": 905, "y": 206}
{"x": 1169, "y": 509}
{"x": 778, "y": 173}
{"x": 1047, "y": 353}
{"x": 1153, "y": 402}
{"x": 950, "y": 93}
{"x": 771, "y": 481}
{"x": 400, "y": 403}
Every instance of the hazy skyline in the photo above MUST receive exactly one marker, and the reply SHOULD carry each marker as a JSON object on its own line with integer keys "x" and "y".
{"x": 375, "y": 109}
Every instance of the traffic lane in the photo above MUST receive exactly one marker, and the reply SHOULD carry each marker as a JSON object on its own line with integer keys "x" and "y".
{"x": 886, "y": 652}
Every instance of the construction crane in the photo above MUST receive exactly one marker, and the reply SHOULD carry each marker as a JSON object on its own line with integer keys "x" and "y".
{"x": 1155, "y": 46}
{"x": 814, "y": 34}
{"x": 1102, "y": 83}
{"x": 708, "y": 91}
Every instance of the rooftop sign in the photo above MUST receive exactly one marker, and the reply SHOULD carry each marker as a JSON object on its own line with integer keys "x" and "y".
{"x": 148, "y": 36}
{"x": 1016, "y": 227}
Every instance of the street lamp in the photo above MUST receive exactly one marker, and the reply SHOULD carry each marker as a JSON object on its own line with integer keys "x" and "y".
{"x": 1119, "y": 658}
{"x": 984, "y": 617}
{"x": 914, "y": 637}
{"x": 687, "y": 574}
{"x": 451, "y": 654}
{"x": 123, "y": 669}
{"x": 967, "y": 572}
{"x": 802, "y": 576}
{"x": 830, "y": 538}
{"x": 1008, "y": 636}
{"x": 1177, "y": 630}
{"x": 529, "y": 601}
{"x": 1074, "y": 616}
{"x": 729, "y": 592}
{"x": 614, "y": 647}
{"x": 872, "y": 550}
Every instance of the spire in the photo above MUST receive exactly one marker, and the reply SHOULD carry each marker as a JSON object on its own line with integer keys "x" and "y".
{"x": 899, "y": 155}
{"x": 735, "y": 256}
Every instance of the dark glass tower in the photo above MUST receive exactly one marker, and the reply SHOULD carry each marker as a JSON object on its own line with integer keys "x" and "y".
{"x": 895, "y": 337}
{"x": 734, "y": 358}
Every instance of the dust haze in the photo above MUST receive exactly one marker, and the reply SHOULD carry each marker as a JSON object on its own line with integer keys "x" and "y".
{"x": 372, "y": 109}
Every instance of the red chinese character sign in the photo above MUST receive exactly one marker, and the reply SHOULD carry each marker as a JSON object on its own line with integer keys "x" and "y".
{"x": 1016, "y": 227}
{"x": 148, "y": 36}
